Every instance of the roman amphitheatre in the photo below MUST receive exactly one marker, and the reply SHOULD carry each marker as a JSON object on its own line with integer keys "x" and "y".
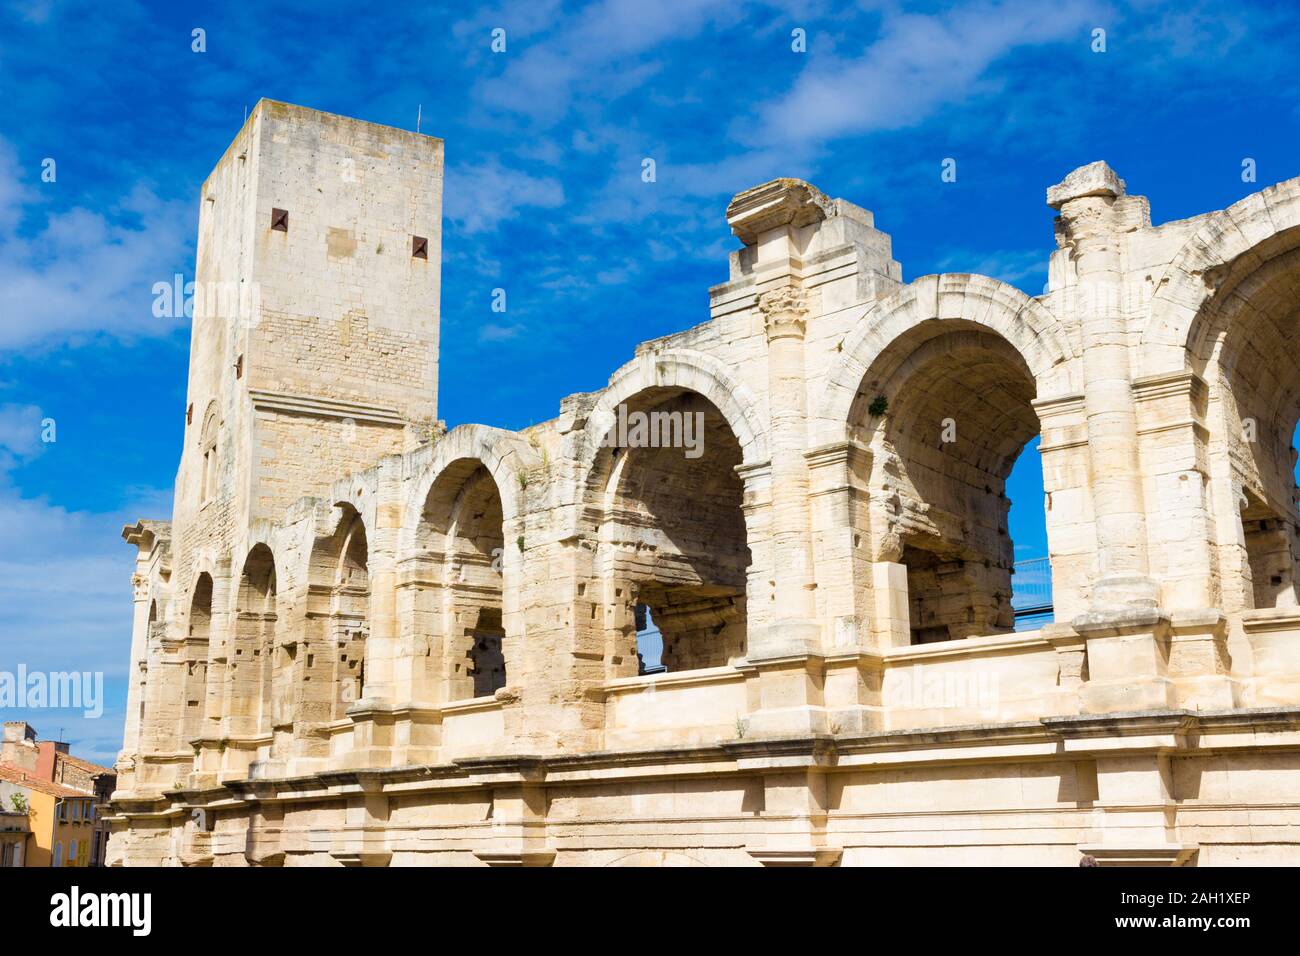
{"x": 365, "y": 640}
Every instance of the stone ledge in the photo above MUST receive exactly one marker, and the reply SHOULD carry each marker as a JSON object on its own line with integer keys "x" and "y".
{"x": 780, "y": 202}
{"x": 1145, "y": 854}
{"x": 312, "y": 406}
{"x": 799, "y": 856}
{"x": 1094, "y": 179}
{"x": 815, "y": 751}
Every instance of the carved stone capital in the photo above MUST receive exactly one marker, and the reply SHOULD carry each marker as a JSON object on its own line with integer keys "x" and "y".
{"x": 785, "y": 312}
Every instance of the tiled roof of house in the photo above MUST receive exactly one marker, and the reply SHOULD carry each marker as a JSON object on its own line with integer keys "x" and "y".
{"x": 24, "y": 779}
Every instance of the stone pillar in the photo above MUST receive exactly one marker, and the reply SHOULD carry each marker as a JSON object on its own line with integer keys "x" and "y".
{"x": 1094, "y": 214}
{"x": 135, "y": 689}
{"x": 1067, "y": 504}
{"x": 363, "y": 841}
{"x": 893, "y": 614}
{"x": 793, "y": 802}
{"x": 784, "y": 656}
{"x": 841, "y": 553}
{"x": 382, "y": 643}
{"x": 553, "y": 675}
{"x": 1129, "y": 760}
{"x": 420, "y": 675}
{"x": 517, "y": 836}
{"x": 794, "y": 626}
{"x": 776, "y": 221}
{"x": 1175, "y": 464}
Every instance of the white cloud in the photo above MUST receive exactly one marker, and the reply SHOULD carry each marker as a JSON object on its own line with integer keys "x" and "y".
{"x": 917, "y": 64}
{"x": 493, "y": 332}
{"x": 20, "y": 430}
{"x": 598, "y": 50}
{"x": 65, "y": 586}
{"x": 85, "y": 273}
{"x": 480, "y": 197}
{"x": 68, "y": 607}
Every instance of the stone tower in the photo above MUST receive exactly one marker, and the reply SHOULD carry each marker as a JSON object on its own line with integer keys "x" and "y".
{"x": 315, "y": 337}
{"x": 314, "y": 352}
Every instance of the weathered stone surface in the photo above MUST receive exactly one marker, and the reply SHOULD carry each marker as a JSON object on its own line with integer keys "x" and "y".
{"x": 363, "y": 639}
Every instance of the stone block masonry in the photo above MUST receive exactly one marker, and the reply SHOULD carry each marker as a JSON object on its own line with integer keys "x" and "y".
{"x": 364, "y": 640}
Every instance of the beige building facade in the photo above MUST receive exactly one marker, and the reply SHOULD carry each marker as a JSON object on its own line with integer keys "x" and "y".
{"x": 364, "y": 640}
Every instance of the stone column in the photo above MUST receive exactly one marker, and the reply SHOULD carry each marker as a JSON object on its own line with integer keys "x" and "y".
{"x": 794, "y": 612}
{"x": 1172, "y": 439}
{"x": 785, "y": 655}
{"x": 1134, "y": 818}
{"x": 134, "y": 690}
{"x": 383, "y": 641}
{"x": 838, "y": 503}
{"x": 1094, "y": 214}
{"x": 793, "y": 802}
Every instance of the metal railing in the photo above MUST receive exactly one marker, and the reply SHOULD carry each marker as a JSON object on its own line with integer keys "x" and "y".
{"x": 1031, "y": 587}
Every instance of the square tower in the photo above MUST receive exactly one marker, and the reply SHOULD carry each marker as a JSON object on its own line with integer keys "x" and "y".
{"x": 314, "y": 348}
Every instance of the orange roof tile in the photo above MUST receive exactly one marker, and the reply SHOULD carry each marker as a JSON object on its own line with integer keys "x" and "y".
{"x": 23, "y": 779}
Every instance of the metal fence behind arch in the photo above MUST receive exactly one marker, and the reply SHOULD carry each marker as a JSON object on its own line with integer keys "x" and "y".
{"x": 1031, "y": 593}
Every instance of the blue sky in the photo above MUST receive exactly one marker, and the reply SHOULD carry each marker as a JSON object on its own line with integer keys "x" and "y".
{"x": 544, "y": 197}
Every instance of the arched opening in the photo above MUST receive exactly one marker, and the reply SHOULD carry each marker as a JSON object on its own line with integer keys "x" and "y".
{"x": 673, "y": 539}
{"x": 251, "y": 660}
{"x": 351, "y": 615}
{"x": 208, "y": 454}
{"x": 463, "y": 526}
{"x": 1244, "y": 346}
{"x": 948, "y": 411}
{"x": 198, "y": 635}
{"x": 1032, "y": 599}
{"x": 649, "y": 643}
{"x": 333, "y": 664}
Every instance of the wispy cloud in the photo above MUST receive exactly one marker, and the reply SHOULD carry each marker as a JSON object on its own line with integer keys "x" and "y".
{"x": 1024, "y": 268}
{"x": 84, "y": 273}
{"x": 479, "y": 197}
{"x": 917, "y": 64}
{"x": 64, "y": 584}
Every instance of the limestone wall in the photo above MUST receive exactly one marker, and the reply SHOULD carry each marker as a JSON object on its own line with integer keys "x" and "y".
{"x": 368, "y": 641}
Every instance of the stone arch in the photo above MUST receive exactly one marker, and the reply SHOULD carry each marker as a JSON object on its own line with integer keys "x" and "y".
{"x": 209, "y": 466}
{"x": 504, "y": 455}
{"x": 338, "y": 613}
{"x": 940, "y": 381}
{"x": 688, "y": 371}
{"x": 472, "y": 570}
{"x": 154, "y": 630}
{"x": 446, "y": 579}
{"x": 949, "y": 301}
{"x": 667, "y": 521}
{"x": 157, "y": 623}
{"x": 251, "y": 665}
{"x": 1229, "y": 245}
{"x": 198, "y": 647}
{"x": 1228, "y": 310}
{"x": 204, "y": 645}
